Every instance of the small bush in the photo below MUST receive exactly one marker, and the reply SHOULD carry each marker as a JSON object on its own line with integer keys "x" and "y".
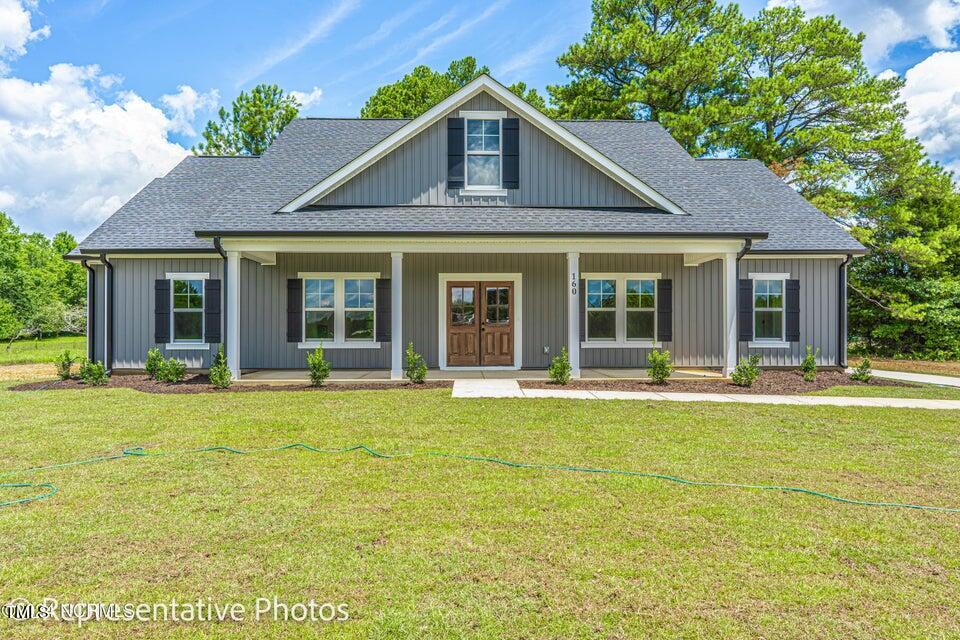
{"x": 219, "y": 371}
{"x": 809, "y": 364}
{"x": 747, "y": 372}
{"x": 319, "y": 368}
{"x": 154, "y": 362}
{"x": 862, "y": 372}
{"x": 64, "y": 363}
{"x": 660, "y": 366}
{"x": 559, "y": 369}
{"x": 416, "y": 370}
{"x": 171, "y": 371}
{"x": 93, "y": 373}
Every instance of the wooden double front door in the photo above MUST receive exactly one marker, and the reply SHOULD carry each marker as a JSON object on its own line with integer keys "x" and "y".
{"x": 480, "y": 323}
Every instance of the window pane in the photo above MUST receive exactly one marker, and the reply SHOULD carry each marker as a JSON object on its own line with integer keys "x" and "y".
{"x": 504, "y": 295}
{"x": 491, "y": 127}
{"x": 483, "y": 171}
{"x": 760, "y": 286}
{"x": 602, "y": 294}
{"x": 188, "y": 325}
{"x": 601, "y": 325}
{"x": 188, "y": 294}
{"x": 358, "y": 325}
{"x": 318, "y": 294}
{"x": 768, "y": 324}
{"x": 633, "y": 294}
{"x": 358, "y": 294}
{"x": 760, "y": 301}
{"x": 474, "y": 143}
{"x": 640, "y": 325}
{"x": 475, "y": 127}
{"x": 319, "y": 325}
{"x": 491, "y": 295}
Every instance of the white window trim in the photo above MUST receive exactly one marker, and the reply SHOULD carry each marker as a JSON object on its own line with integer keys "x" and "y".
{"x": 339, "y": 322}
{"x": 480, "y": 189}
{"x": 189, "y": 345}
{"x": 770, "y": 343}
{"x": 621, "y": 341}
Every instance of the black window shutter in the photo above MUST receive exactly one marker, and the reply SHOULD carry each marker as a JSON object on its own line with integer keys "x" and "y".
{"x": 383, "y": 304}
{"x": 745, "y": 310}
{"x": 792, "y": 302}
{"x": 455, "y": 162}
{"x": 211, "y": 312}
{"x": 161, "y": 311}
{"x": 294, "y": 310}
{"x": 511, "y": 153}
{"x": 583, "y": 311}
{"x": 665, "y": 310}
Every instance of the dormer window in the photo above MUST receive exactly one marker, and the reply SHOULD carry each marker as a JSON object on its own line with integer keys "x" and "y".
{"x": 483, "y": 153}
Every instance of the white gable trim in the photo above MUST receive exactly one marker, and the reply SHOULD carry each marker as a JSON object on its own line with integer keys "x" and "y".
{"x": 484, "y": 82}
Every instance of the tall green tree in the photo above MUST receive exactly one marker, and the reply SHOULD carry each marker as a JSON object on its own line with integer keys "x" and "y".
{"x": 424, "y": 87}
{"x": 252, "y": 124}
{"x": 673, "y": 61}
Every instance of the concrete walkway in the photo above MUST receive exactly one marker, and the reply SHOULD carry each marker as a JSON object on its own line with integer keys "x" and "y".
{"x": 920, "y": 378}
{"x": 511, "y": 389}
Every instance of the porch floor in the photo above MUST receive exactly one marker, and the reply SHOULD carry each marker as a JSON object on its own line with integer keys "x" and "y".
{"x": 288, "y": 376}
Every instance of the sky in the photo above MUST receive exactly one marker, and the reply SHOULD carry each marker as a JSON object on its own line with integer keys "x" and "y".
{"x": 98, "y": 97}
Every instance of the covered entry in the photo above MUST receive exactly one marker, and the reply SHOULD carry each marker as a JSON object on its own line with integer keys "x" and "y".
{"x": 480, "y": 323}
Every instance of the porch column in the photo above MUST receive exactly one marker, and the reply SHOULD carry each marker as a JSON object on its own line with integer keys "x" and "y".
{"x": 396, "y": 316}
{"x": 573, "y": 313}
{"x": 233, "y": 313}
{"x": 729, "y": 312}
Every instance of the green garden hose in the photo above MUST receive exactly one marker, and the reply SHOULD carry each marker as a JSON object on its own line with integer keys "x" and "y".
{"x": 140, "y": 452}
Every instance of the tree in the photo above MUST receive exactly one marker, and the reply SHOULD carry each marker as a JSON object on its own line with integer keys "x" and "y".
{"x": 254, "y": 121}
{"x": 673, "y": 61}
{"x": 423, "y": 88}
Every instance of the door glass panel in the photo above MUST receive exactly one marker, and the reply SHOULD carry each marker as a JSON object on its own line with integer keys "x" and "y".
{"x": 498, "y": 305}
{"x": 462, "y": 306}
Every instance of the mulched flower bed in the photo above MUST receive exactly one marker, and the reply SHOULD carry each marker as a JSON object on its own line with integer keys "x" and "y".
{"x": 771, "y": 382}
{"x": 198, "y": 383}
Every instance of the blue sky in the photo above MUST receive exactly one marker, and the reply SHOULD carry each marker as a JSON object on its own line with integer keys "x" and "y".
{"x": 97, "y": 97}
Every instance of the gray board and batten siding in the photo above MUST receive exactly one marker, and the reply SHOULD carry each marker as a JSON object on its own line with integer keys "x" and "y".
{"x": 416, "y": 173}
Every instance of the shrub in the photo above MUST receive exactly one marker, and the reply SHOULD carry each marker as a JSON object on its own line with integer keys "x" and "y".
{"x": 319, "y": 368}
{"x": 416, "y": 370}
{"x": 862, "y": 372}
{"x": 809, "y": 364}
{"x": 660, "y": 366}
{"x": 93, "y": 373}
{"x": 219, "y": 371}
{"x": 559, "y": 369}
{"x": 747, "y": 372}
{"x": 64, "y": 363}
{"x": 172, "y": 370}
{"x": 154, "y": 362}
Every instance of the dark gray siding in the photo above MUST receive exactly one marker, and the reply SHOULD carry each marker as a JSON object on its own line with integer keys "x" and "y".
{"x": 263, "y": 311}
{"x": 819, "y": 310}
{"x": 416, "y": 173}
{"x": 697, "y": 310}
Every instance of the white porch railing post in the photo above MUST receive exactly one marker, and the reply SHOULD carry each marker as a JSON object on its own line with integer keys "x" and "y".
{"x": 233, "y": 313}
{"x": 396, "y": 316}
{"x": 729, "y": 312}
{"x": 573, "y": 311}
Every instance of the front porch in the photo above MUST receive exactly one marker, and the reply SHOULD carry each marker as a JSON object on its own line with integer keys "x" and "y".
{"x": 300, "y": 376}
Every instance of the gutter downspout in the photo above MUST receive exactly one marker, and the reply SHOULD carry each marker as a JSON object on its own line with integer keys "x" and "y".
{"x": 108, "y": 321}
{"x": 747, "y": 245}
{"x": 842, "y": 312}
{"x": 223, "y": 254}
{"x": 91, "y": 309}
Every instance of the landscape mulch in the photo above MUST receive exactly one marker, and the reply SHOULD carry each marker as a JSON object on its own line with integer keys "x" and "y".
{"x": 199, "y": 383}
{"x": 771, "y": 382}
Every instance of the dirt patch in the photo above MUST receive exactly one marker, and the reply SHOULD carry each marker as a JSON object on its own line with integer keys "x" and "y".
{"x": 771, "y": 382}
{"x": 200, "y": 383}
{"x": 945, "y": 368}
{"x": 26, "y": 371}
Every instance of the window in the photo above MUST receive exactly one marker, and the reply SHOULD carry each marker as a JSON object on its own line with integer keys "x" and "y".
{"x": 483, "y": 153}
{"x": 621, "y": 310}
{"x": 768, "y": 317}
{"x": 339, "y": 309}
{"x": 187, "y": 310}
{"x": 462, "y": 307}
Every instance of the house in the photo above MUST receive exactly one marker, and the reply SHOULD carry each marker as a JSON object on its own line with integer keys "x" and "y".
{"x": 485, "y": 233}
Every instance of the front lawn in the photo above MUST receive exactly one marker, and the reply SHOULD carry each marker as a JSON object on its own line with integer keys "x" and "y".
{"x": 43, "y": 350}
{"x": 434, "y": 547}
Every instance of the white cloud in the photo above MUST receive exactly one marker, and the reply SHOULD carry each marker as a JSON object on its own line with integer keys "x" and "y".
{"x": 932, "y": 95}
{"x": 69, "y": 158}
{"x": 184, "y": 106}
{"x": 887, "y": 23}
{"x": 16, "y": 29}
{"x": 309, "y": 98}
{"x": 388, "y": 26}
{"x": 463, "y": 28}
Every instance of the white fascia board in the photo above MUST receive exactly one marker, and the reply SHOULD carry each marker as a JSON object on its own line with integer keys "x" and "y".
{"x": 531, "y": 114}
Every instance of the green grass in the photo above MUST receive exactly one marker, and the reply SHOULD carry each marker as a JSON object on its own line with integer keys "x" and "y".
{"x": 39, "y": 351}
{"x": 924, "y": 391}
{"x": 437, "y": 548}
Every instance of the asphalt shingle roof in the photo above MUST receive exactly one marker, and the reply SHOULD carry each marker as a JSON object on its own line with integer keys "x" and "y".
{"x": 243, "y": 195}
